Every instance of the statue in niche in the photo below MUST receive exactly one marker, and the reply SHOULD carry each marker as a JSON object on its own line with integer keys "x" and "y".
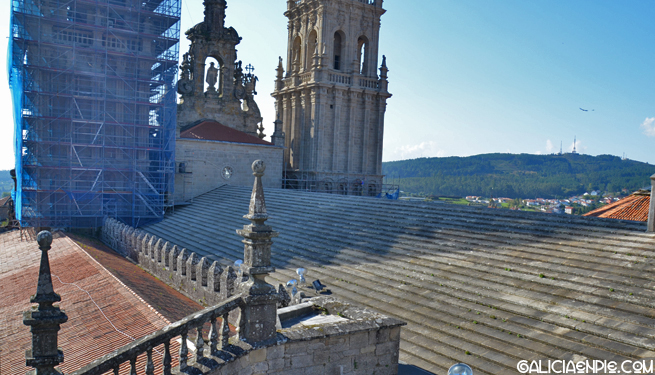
{"x": 212, "y": 77}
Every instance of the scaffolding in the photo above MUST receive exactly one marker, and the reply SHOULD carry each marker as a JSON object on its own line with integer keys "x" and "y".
{"x": 93, "y": 90}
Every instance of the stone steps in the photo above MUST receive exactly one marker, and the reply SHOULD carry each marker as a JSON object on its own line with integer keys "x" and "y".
{"x": 428, "y": 264}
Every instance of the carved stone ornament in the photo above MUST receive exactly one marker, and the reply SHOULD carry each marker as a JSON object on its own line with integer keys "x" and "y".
{"x": 312, "y": 20}
{"x": 184, "y": 86}
{"x": 363, "y": 24}
{"x": 341, "y": 18}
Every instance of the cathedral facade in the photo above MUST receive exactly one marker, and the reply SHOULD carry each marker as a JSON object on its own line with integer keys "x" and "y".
{"x": 219, "y": 132}
{"x": 330, "y": 101}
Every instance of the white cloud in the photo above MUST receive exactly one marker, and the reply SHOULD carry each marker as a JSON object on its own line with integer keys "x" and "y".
{"x": 648, "y": 126}
{"x": 424, "y": 149}
{"x": 549, "y": 146}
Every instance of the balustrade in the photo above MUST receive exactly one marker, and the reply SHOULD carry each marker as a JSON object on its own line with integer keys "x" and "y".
{"x": 217, "y": 339}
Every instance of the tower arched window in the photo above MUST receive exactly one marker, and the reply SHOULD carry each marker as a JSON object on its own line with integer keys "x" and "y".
{"x": 338, "y": 50}
{"x": 363, "y": 54}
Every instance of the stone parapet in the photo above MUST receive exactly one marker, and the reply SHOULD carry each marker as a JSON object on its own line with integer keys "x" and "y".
{"x": 362, "y": 342}
{"x": 204, "y": 281}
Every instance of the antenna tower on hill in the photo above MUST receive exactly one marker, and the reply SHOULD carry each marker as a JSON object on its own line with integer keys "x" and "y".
{"x": 574, "y": 142}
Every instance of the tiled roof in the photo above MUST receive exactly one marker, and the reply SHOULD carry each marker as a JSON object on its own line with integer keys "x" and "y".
{"x": 476, "y": 285}
{"x": 4, "y": 201}
{"x": 214, "y": 131}
{"x": 103, "y": 314}
{"x": 633, "y": 207}
{"x": 170, "y": 303}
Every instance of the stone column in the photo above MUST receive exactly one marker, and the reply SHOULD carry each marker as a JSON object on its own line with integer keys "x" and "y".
{"x": 258, "y": 315}
{"x": 45, "y": 319}
{"x": 651, "y": 210}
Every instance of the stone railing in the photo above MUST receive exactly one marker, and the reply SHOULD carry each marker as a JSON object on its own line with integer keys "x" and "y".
{"x": 204, "y": 281}
{"x": 305, "y": 77}
{"x": 344, "y": 79}
{"x": 217, "y": 340}
{"x": 370, "y": 83}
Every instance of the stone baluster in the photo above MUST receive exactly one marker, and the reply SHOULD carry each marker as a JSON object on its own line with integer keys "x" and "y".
{"x": 167, "y": 358}
{"x": 225, "y": 332}
{"x": 150, "y": 366}
{"x": 200, "y": 343}
{"x": 133, "y": 366}
{"x": 44, "y": 320}
{"x": 258, "y": 315}
{"x": 184, "y": 350}
{"x": 651, "y": 208}
{"x": 213, "y": 338}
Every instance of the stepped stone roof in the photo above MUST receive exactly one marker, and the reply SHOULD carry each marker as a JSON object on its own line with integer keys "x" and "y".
{"x": 476, "y": 285}
{"x": 103, "y": 314}
{"x": 633, "y": 207}
{"x": 208, "y": 130}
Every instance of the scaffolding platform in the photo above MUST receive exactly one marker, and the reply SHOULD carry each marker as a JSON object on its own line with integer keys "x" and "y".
{"x": 93, "y": 90}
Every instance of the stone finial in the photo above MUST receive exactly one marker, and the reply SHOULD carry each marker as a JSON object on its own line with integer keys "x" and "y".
{"x": 280, "y": 70}
{"x": 258, "y": 317}
{"x": 383, "y": 68}
{"x": 651, "y": 208}
{"x": 45, "y": 319}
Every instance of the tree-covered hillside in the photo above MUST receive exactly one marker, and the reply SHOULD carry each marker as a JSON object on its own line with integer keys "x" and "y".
{"x": 518, "y": 176}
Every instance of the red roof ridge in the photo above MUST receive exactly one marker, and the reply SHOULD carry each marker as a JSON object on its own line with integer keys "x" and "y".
{"x": 211, "y": 130}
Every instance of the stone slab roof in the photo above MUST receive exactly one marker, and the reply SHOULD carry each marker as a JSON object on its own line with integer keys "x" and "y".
{"x": 103, "y": 314}
{"x": 476, "y": 285}
{"x": 633, "y": 207}
{"x": 208, "y": 130}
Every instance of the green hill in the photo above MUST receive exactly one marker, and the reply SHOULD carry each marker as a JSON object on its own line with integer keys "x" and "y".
{"x": 518, "y": 176}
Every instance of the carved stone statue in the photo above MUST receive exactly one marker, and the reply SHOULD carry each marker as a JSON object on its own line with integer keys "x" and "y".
{"x": 212, "y": 77}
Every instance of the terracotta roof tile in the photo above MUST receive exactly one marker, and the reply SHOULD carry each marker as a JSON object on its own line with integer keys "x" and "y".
{"x": 87, "y": 290}
{"x": 214, "y": 131}
{"x": 633, "y": 207}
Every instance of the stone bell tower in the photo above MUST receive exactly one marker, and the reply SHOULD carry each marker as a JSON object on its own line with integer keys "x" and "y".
{"x": 330, "y": 100}
{"x": 229, "y": 96}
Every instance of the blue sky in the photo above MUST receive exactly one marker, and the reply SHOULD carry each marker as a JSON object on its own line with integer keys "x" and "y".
{"x": 479, "y": 76}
